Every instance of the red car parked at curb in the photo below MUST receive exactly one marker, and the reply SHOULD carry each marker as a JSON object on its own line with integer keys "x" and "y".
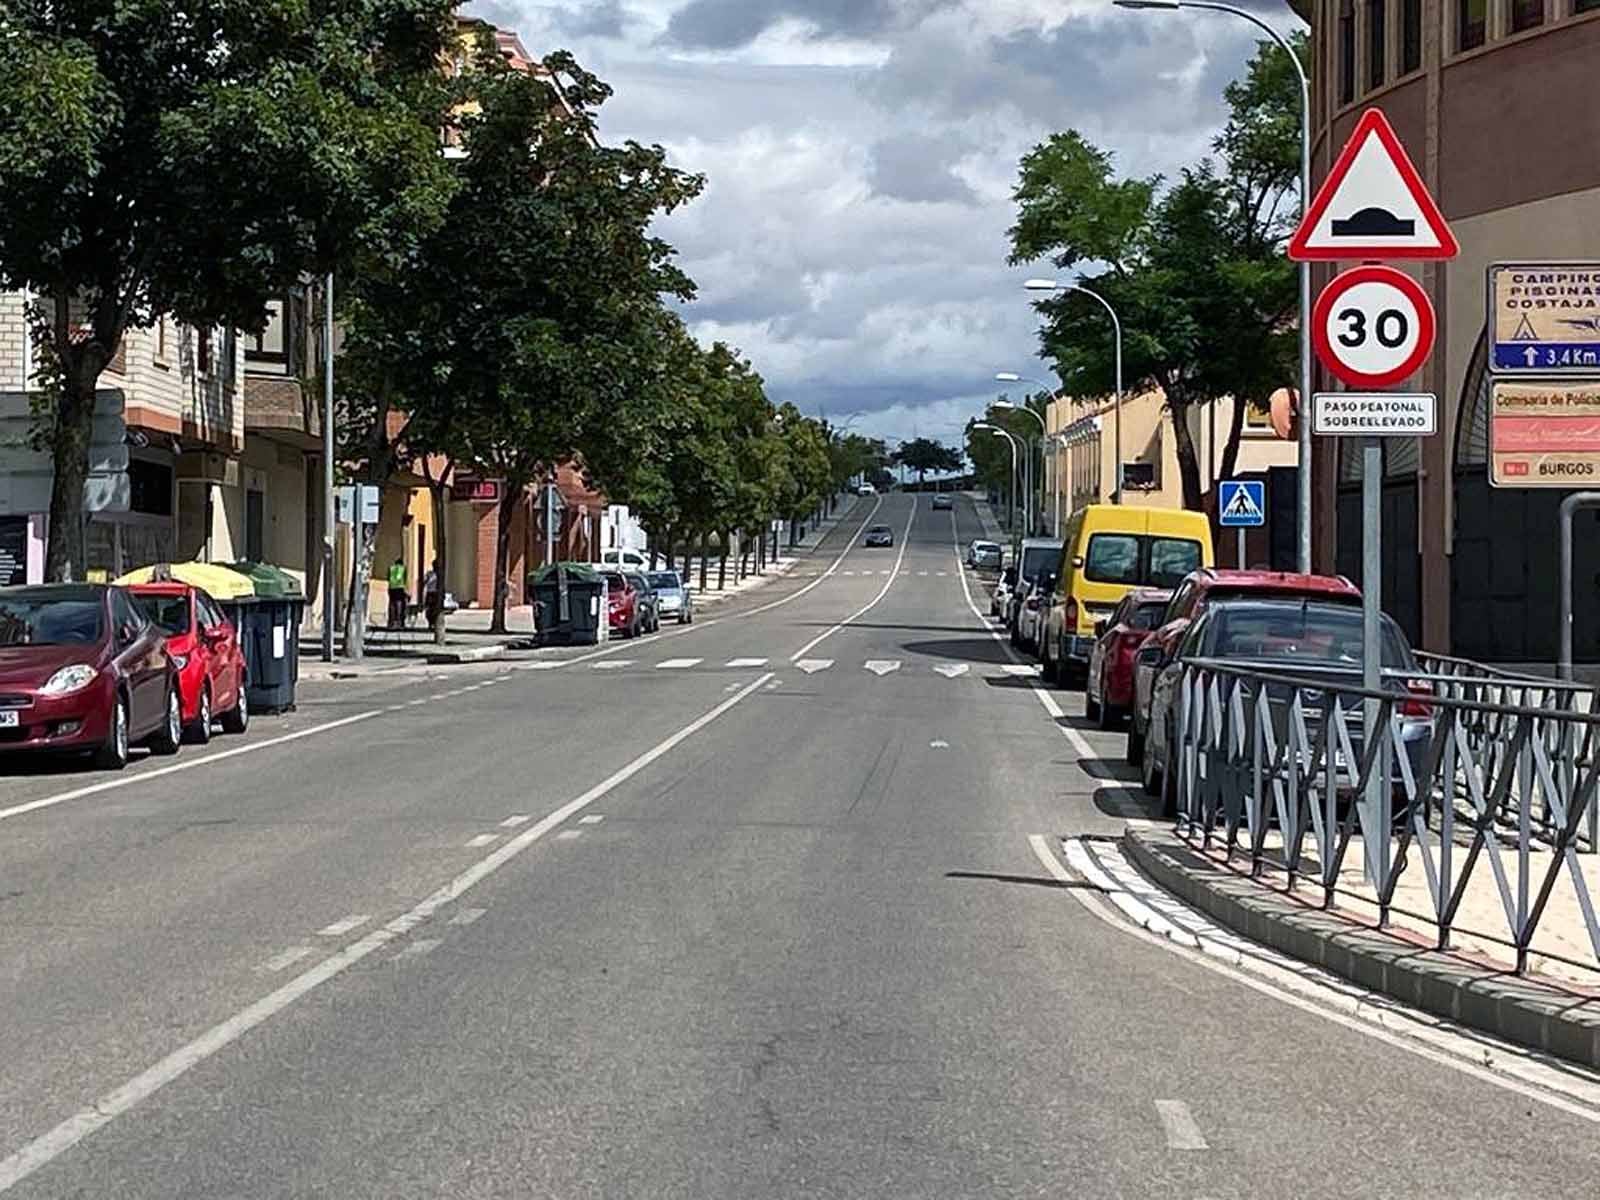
{"x": 1108, "y": 690}
{"x": 204, "y": 647}
{"x": 1190, "y": 598}
{"x": 83, "y": 669}
{"x": 622, "y": 605}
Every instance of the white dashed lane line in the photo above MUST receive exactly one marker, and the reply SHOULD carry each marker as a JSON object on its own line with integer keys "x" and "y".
{"x": 417, "y": 949}
{"x": 512, "y": 822}
{"x": 591, "y": 819}
{"x": 1183, "y": 1132}
{"x": 467, "y": 916}
{"x": 483, "y": 839}
{"x": 345, "y": 925}
{"x": 286, "y": 959}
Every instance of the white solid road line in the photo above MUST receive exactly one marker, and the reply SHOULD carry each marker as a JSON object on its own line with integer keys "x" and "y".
{"x": 905, "y": 539}
{"x": 1183, "y": 1132}
{"x": 188, "y": 764}
{"x": 43, "y": 1149}
{"x": 346, "y": 925}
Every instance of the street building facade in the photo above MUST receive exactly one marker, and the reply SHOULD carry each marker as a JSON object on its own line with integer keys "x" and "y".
{"x": 1494, "y": 102}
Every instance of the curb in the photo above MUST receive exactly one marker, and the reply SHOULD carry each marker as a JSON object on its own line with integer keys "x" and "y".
{"x": 472, "y": 654}
{"x": 1516, "y": 1009}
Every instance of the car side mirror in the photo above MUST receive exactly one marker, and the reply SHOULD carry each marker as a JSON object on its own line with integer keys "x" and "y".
{"x": 1077, "y": 562}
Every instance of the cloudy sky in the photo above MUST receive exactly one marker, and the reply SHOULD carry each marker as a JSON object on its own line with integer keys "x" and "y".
{"x": 861, "y": 155}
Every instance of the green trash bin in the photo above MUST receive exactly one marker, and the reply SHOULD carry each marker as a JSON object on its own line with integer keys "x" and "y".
{"x": 269, "y": 630}
{"x": 568, "y": 599}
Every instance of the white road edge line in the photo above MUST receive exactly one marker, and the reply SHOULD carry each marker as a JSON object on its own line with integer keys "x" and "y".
{"x": 1079, "y": 742}
{"x": 17, "y": 1166}
{"x": 188, "y": 764}
{"x": 905, "y": 541}
{"x": 1555, "y": 1087}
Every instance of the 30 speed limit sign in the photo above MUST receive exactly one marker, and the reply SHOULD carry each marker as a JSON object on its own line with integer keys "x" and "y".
{"x": 1373, "y": 326}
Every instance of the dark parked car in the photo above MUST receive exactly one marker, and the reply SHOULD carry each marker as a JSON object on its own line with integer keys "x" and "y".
{"x": 83, "y": 669}
{"x": 1108, "y": 690}
{"x": 879, "y": 535}
{"x": 1315, "y": 639}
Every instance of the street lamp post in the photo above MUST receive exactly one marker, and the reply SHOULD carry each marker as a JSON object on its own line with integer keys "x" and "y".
{"x": 1303, "y": 513}
{"x": 1012, "y": 439}
{"x": 1044, "y": 434}
{"x": 1050, "y": 285}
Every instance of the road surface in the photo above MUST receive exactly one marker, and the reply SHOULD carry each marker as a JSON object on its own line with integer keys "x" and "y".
{"x": 746, "y": 910}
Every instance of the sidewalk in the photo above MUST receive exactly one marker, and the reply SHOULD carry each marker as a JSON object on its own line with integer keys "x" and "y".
{"x": 470, "y": 641}
{"x": 1555, "y": 1007}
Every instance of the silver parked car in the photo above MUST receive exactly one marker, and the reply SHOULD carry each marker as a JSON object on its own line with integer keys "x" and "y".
{"x": 984, "y": 556}
{"x": 674, "y": 597}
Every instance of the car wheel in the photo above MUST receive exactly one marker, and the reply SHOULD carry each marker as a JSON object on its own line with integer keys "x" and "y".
{"x": 1091, "y": 708}
{"x": 1149, "y": 777}
{"x": 200, "y": 731}
{"x": 113, "y": 752}
{"x": 169, "y": 737}
{"x": 238, "y": 720}
{"x": 1135, "y": 755}
{"x": 1110, "y": 715}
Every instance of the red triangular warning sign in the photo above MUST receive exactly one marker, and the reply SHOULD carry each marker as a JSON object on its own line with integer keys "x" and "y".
{"x": 1373, "y": 204}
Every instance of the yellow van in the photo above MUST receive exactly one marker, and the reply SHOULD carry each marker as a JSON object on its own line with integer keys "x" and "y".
{"x": 1107, "y": 550}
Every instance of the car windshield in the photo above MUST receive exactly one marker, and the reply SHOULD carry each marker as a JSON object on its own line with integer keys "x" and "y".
{"x": 1148, "y": 616}
{"x": 46, "y": 619}
{"x": 1039, "y": 558}
{"x": 1135, "y": 559}
{"x": 616, "y": 583}
{"x": 170, "y": 613}
{"x": 666, "y": 581}
{"x": 879, "y": 529}
{"x": 1319, "y": 633}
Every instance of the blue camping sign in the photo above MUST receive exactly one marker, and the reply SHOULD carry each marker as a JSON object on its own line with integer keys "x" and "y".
{"x": 1544, "y": 318}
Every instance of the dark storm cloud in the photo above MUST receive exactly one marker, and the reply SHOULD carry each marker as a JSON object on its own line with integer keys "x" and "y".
{"x": 917, "y": 168}
{"x": 729, "y": 24}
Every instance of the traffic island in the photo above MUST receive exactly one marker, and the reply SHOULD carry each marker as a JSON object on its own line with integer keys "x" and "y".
{"x": 1556, "y": 1016}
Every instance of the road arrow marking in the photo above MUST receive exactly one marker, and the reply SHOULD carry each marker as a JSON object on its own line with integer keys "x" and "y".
{"x": 952, "y": 670}
{"x": 938, "y": 745}
{"x": 882, "y": 666}
{"x": 812, "y": 665}
{"x": 1021, "y": 668}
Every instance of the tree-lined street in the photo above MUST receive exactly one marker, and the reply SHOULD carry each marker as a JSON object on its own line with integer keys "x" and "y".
{"x": 775, "y": 928}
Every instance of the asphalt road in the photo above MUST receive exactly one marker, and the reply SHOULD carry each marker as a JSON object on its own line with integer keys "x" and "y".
{"x": 745, "y": 910}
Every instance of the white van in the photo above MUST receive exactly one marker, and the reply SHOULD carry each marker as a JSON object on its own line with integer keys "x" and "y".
{"x": 633, "y": 560}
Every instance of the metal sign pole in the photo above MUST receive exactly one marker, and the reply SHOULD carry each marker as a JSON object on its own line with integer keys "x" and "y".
{"x": 1241, "y": 547}
{"x": 330, "y": 531}
{"x": 1375, "y": 798}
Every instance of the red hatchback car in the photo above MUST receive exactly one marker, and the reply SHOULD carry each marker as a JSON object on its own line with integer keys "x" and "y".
{"x": 205, "y": 649}
{"x": 83, "y": 669}
{"x": 1189, "y": 600}
{"x": 1108, "y": 690}
{"x": 623, "y": 610}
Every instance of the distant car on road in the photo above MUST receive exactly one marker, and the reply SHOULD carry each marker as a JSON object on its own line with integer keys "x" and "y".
{"x": 628, "y": 560}
{"x": 1314, "y": 639}
{"x": 83, "y": 669}
{"x": 1109, "y": 688}
{"x": 866, "y": 489}
{"x": 674, "y": 597}
{"x": 879, "y": 535}
{"x": 941, "y": 502}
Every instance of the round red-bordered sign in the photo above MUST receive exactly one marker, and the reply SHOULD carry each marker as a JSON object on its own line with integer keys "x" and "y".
{"x": 1373, "y": 326}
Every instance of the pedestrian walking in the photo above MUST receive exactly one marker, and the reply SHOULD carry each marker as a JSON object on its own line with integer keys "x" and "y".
{"x": 433, "y": 595}
{"x": 397, "y": 593}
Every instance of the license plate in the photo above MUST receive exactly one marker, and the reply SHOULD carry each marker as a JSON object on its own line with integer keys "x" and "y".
{"x": 8, "y": 718}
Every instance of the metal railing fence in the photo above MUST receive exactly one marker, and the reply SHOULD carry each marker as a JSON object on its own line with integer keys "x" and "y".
{"x": 1468, "y": 767}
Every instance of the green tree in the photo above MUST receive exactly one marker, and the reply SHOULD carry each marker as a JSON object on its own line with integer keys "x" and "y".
{"x": 1194, "y": 268}
{"x": 924, "y": 454}
{"x": 195, "y": 166}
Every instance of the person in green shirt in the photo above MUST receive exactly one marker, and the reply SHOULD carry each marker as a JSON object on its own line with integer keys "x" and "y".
{"x": 397, "y": 593}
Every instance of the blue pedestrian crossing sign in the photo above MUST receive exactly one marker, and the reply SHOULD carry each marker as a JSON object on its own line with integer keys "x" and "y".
{"x": 1244, "y": 503}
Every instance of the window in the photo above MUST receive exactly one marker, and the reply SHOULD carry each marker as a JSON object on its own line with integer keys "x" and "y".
{"x": 161, "y": 340}
{"x": 1171, "y": 559}
{"x": 1410, "y": 36}
{"x": 1347, "y": 51}
{"x": 1377, "y": 39}
{"x": 1180, "y": 604}
{"x": 1526, "y": 14}
{"x": 170, "y": 613}
{"x": 150, "y": 488}
{"x": 1113, "y": 558}
{"x": 272, "y": 343}
{"x": 255, "y": 520}
{"x": 202, "y": 351}
{"x": 1147, "y": 616}
{"x": 1472, "y": 23}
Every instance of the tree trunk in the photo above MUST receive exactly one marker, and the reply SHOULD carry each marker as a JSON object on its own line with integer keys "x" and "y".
{"x": 722, "y": 562}
{"x": 703, "y": 560}
{"x": 502, "y": 556}
{"x": 355, "y": 613}
{"x": 72, "y": 430}
{"x": 1183, "y": 443}
{"x": 1230, "y": 448}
